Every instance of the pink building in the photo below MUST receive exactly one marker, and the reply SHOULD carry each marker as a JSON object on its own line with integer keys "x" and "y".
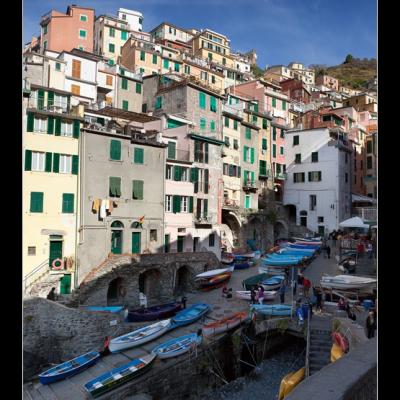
{"x": 74, "y": 29}
{"x": 328, "y": 81}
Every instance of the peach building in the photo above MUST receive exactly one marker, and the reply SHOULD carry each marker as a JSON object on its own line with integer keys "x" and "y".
{"x": 74, "y": 29}
{"x": 327, "y": 81}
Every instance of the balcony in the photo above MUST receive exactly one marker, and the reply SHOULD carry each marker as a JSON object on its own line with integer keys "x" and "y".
{"x": 281, "y": 176}
{"x": 369, "y": 179}
{"x": 250, "y": 186}
{"x": 367, "y": 214}
{"x": 230, "y": 204}
{"x": 179, "y": 155}
{"x": 58, "y": 106}
{"x": 265, "y": 173}
{"x": 203, "y": 219}
{"x": 233, "y": 110}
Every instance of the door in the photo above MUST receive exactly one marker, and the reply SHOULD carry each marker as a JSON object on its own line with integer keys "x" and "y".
{"x": 181, "y": 240}
{"x": 303, "y": 221}
{"x": 166, "y": 244}
{"x": 321, "y": 230}
{"x": 195, "y": 244}
{"x": 116, "y": 242}
{"x": 65, "y": 284}
{"x": 136, "y": 241}
{"x": 55, "y": 250}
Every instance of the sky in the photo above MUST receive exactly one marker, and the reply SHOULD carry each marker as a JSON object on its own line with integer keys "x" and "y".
{"x": 281, "y": 31}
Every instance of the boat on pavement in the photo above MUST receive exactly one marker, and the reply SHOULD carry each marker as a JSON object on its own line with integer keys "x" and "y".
{"x": 139, "y": 336}
{"x": 190, "y": 314}
{"x": 346, "y": 282}
{"x": 273, "y": 283}
{"x": 246, "y": 294}
{"x": 114, "y": 309}
{"x": 69, "y": 368}
{"x": 242, "y": 265}
{"x": 177, "y": 346}
{"x": 254, "y": 280}
{"x": 153, "y": 313}
{"x": 290, "y": 381}
{"x": 224, "y": 324}
{"x": 118, "y": 376}
{"x": 272, "y": 309}
{"x": 214, "y": 272}
{"x": 215, "y": 281}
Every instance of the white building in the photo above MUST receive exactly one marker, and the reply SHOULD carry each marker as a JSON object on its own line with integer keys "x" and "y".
{"x": 134, "y": 18}
{"x": 318, "y": 167}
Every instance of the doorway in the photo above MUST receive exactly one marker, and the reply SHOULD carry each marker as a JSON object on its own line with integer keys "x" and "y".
{"x": 303, "y": 218}
{"x": 116, "y": 237}
{"x": 136, "y": 242}
{"x": 195, "y": 244}
{"x": 65, "y": 284}
{"x": 55, "y": 251}
{"x": 181, "y": 240}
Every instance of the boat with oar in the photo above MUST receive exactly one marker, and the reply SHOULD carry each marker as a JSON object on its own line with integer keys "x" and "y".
{"x": 139, "y": 336}
{"x": 153, "y": 313}
{"x": 216, "y": 281}
{"x": 176, "y": 347}
{"x": 346, "y": 282}
{"x": 272, "y": 309}
{"x": 190, "y": 314}
{"x": 114, "y": 309}
{"x": 214, "y": 272}
{"x": 118, "y": 376}
{"x": 69, "y": 368}
{"x": 273, "y": 283}
{"x": 246, "y": 294}
{"x": 224, "y": 324}
{"x": 254, "y": 280}
{"x": 290, "y": 381}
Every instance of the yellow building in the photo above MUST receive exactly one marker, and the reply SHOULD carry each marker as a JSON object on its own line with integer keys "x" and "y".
{"x": 50, "y": 186}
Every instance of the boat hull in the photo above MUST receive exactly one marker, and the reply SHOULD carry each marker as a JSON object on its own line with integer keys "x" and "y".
{"x": 254, "y": 280}
{"x": 290, "y": 381}
{"x": 273, "y": 310}
{"x": 177, "y": 346}
{"x": 161, "y": 311}
{"x": 224, "y": 324}
{"x": 190, "y": 315}
{"x": 244, "y": 265}
{"x": 214, "y": 272}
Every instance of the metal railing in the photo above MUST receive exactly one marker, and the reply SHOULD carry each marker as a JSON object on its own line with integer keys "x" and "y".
{"x": 29, "y": 278}
{"x": 231, "y": 203}
{"x": 234, "y": 110}
{"x": 204, "y": 219}
{"x": 250, "y": 185}
{"x": 281, "y": 175}
{"x": 180, "y": 155}
{"x": 365, "y": 213}
{"x": 39, "y": 104}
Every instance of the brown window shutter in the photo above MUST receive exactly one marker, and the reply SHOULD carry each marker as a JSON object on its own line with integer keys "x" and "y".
{"x": 76, "y": 69}
{"x": 109, "y": 80}
{"x": 75, "y": 89}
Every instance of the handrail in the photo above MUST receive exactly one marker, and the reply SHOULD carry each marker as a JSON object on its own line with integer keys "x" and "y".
{"x": 308, "y": 346}
{"x": 45, "y": 263}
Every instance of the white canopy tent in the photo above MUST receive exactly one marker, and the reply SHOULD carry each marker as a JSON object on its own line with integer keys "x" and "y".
{"x": 355, "y": 222}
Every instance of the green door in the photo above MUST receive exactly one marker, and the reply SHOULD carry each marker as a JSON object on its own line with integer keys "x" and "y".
{"x": 116, "y": 242}
{"x": 181, "y": 240}
{"x": 65, "y": 284}
{"x": 136, "y": 240}
{"x": 55, "y": 250}
{"x": 321, "y": 230}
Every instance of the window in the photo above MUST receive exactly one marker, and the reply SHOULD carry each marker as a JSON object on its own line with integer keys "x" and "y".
{"x": 320, "y": 219}
{"x": 263, "y": 168}
{"x": 187, "y": 69}
{"x": 314, "y": 156}
{"x": 346, "y": 177}
{"x": 213, "y": 104}
{"x": 158, "y": 103}
{"x": 142, "y": 70}
{"x": 235, "y": 144}
{"x": 313, "y": 202}
{"x": 297, "y": 158}
{"x": 281, "y": 150}
{"x": 111, "y": 48}
{"x": 203, "y": 75}
{"x": 154, "y": 59}
{"x": 140, "y": 20}
{"x": 168, "y": 172}
{"x": 264, "y": 123}
{"x": 111, "y": 62}
{"x": 273, "y": 102}
{"x": 112, "y": 32}
{"x": 76, "y": 89}
{"x": 296, "y": 140}
{"x": 124, "y": 83}
{"x": 31, "y": 250}
{"x": 68, "y": 203}
{"x": 274, "y": 150}
{"x": 40, "y": 125}
{"x": 168, "y": 203}
{"x": 166, "y": 63}
{"x": 314, "y": 176}
{"x": 212, "y": 126}
{"x": 202, "y": 100}
{"x": 247, "y": 202}
{"x": 245, "y": 153}
{"x": 109, "y": 80}
{"x": 44, "y": 29}
{"x": 137, "y": 190}
{"x": 369, "y": 162}
{"x": 58, "y": 66}
{"x": 203, "y": 123}
{"x": 138, "y": 88}
{"x": 76, "y": 69}
{"x": 38, "y": 161}
{"x": 142, "y": 56}
{"x": 184, "y": 204}
{"x": 248, "y": 133}
{"x": 274, "y": 133}
{"x": 124, "y": 35}
{"x": 82, "y": 33}
{"x": 282, "y": 134}
{"x": 361, "y": 164}
{"x": 369, "y": 147}
{"x": 226, "y": 139}
{"x": 176, "y": 67}
{"x": 212, "y": 79}
{"x": 138, "y": 155}
{"x": 66, "y": 129}
{"x": 298, "y": 177}
{"x": 346, "y": 158}
{"x": 211, "y": 240}
{"x": 264, "y": 144}
{"x": 45, "y": 45}
{"x": 144, "y": 108}
{"x": 36, "y": 205}
{"x": 153, "y": 235}
{"x": 226, "y": 122}
{"x": 83, "y": 18}
{"x": 283, "y": 105}
{"x": 125, "y": 105}
{"x": 65, "y": 166}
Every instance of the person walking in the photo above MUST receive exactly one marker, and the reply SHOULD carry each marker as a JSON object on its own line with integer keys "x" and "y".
{"x": 318, "y": 295}
{"x": 371, "y": 324}
{"x": 328, "y": 251}
{"x": 300, "y": 281}
{"x": 260, "y": 294}
{"x": 282, "y": 291}
{"x": 52, "y": 294}
{"x": 184, "y": 300}
{"x": 252, "y": 295}
{"x": 307, "y": 286}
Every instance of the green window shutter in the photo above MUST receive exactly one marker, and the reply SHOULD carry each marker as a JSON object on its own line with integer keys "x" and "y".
{"x": 138, "y": 88}
{"x": 36, "y": 202}
{"x": 194, "y": 175}
{"x": 264, "y": 123}
{"x": 319, "y": 175}
{"x": 171, "y": 150}
{"x": 212, "y": 79}
{"x": 235, "y": 125}
{"x": 158, "y": 103}
{"x": 226, "y": 122}
{"x": 252, "y": 155}
{"x": 49, "y": 159}
{"x": 115, "y": 150}
{"x": 124, "y": 83}
{"x": 247, "y": 202}
{"x": 142, "y": 56}
{"x": 176, "y": 204}
{"x": 238, "y": 172}
{"x": 226, "y": 141}
{"x": 253, "y": 177}
{"x": 264, "y": 144}
{"x": 111, "y": 48}
{"x": 248, "y": 133}
{"x": 176, "y": 67}
{"x": 40, "y": 103}
{"x": 58, "y": 126}
{"x": 154, "y": 58}
{"x": 67, "y": 203}
{"x": 202, "y": 100}
{"x": 255, "y": 119}
{"x": 273, "y": 102}
{"x": 124, "y": 35}
{"x": 213, "y": 104}
{"x": 30, "y": 122}
{"x": 263, "y": 168}
{"x": 138, "y": 156}
{"x": 309, "y": 176}
{"x": 190, "y": 204}
{"x": 166, "y": 63}
{"x": 205, "y": 207}
{"x": 203, "y": 123}
{"x": 274, "y": 150}
{"x": 206, "y": 176}
{"x": 235, "y": 144}
{"x": 283, "y": 105}
{"x": 75, "y": 164}
{"x": 125, "y": 105}
{"x": 114, "y": 186}
{"x": 212, "y": 126}
{"x": 50, "y": 125}
{"x": 206, "y": 153}
{"x": 28, "y": 160}
{"x": 76, "y": 129}
{"x": 50, "y": 98}
{"x": 177, "y": 173}
{"x": 137, "y": 190}
{"x": 56, "y": 162}
{"x": 274, "y": 133}
{"x": 281, "y": 151}
{"x": 245, "y": 176}
{"x": 245, "y": 153}
{"x": 231, "y": 170}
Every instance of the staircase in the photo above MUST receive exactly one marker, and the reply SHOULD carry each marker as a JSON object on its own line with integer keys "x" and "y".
{"x": 37, "y": 274}
{"x": 320, "y": 343}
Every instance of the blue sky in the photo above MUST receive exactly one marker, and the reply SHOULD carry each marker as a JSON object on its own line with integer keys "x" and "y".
{"x": 281, "y": 31}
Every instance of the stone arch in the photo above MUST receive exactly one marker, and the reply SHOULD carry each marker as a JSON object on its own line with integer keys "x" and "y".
{"x": 183, "y": 280}
{"x": 116, "y": 292}
{"x": 150, "y": 284}
{"x": 233, "y": 222}
{"x": 117, "y": 225}
{"x": 281, "y": 229}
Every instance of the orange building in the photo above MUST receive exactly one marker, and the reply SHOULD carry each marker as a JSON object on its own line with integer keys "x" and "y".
{"x": 74, "y": 29}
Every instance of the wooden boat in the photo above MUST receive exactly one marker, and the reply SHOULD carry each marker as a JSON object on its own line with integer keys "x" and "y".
{"x": 246, "y": 294}
{"x": 224, "y": 324}
{"x": 242, "y": 265}
{"x": 214, "y": 272}
{"x": 176, "y": 347}
{"x": 69, "y": 368}
{"x": 115, "y": 309}
{"x": 341, "y": 341}
{"x": 161, "y": 311}
{"x": 139, "y": 336}
{"x": 190, "y": 314}
{"x": 273, "y": 282}
{"x": 336, "y": 352}
{"x": 273, "y": 309}
{"x": 216, "y": 280}
{"x": 254, "y": 280}
{"x": 346, "y": 282}
{"x": 118, "y": 376}
{"x": 290, "y": 381}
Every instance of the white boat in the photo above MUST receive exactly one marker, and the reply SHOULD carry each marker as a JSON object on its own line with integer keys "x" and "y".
{"x": 246, "y": 294}
{"x": 346, "y": 282}
{"x": 214, "y": 272}
{"x": 266, "y": 269}
{"x": 139, "y": 336}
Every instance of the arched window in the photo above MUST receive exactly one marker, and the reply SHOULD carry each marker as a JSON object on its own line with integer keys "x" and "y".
{"x": 117, "y": 224}
{"x": 136, "y": 225}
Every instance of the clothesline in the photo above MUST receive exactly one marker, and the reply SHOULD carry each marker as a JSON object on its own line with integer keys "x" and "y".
{"x": 103, "y": 206}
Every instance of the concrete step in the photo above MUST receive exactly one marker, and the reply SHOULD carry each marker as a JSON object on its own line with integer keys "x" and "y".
{"x": 320, "y": 349}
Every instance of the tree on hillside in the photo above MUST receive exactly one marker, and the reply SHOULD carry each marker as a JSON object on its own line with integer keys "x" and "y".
{"x": 349, "y": 59}
{"x": 257, "y": 71}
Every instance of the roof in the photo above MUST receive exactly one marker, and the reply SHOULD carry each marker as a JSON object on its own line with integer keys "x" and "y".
{"x": 129, "y": 115}
{"x": 84, "y": 54}
{"x": 34, "y": 86}
{"x": 365, "y": 199}
{"x": 206, "y": 139}
{"x": 180, "y": 119}
{"x": 174, "y": 26}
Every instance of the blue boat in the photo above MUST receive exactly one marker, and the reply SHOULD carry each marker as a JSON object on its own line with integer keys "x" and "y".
{"x": 283, "y": 257}
{"x": 283, "y": 263}
{"x": 296, "y": 252}
{"x": 69, "y": 368}
{"x": 303, "y": 246}
{"x": 243, "y": 265}
{"x": 274, "y": 309}
{"x": 114, "y": 309}
{"x": 176, "y": 347}
{"x": 273, "y": 280}
{"x": 190, "y": 315}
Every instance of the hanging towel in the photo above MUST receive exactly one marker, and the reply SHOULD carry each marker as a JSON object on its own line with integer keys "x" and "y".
{"x": 111, "y": 206}
{"x": 107, "y": 204}
{"x": 96, "y": 205}
{"x": 103, "y": 209}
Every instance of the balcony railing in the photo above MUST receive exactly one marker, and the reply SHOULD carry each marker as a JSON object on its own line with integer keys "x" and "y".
{"x": 365, "y": 213}
{"x": 233, "y": 110}
{"x": 281, "y": 176}
{"x": 231, "y": 203}
{"x": 250, "y": 185}
{"x": 57, "y": 106}
{"x": 179, "y": 155}
{"x": 265, "y": 172}
{"x": 203, "y": 219}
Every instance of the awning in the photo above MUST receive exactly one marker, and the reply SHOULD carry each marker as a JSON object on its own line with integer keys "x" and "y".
{"x": 179, "y": 119}
{"x": 355, "y": 222}
{"x": 355, "y": 198}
